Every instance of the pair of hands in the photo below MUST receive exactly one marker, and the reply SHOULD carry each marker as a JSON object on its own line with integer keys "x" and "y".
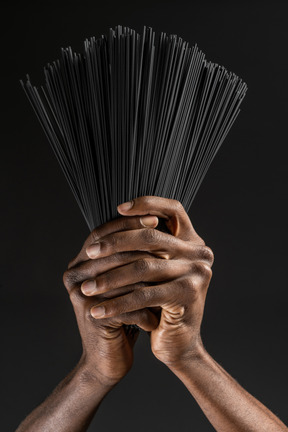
{"x": 128, "y": 272}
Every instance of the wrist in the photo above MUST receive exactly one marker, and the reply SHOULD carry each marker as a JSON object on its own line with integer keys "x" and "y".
{"x": 189, "y": 359}
{"x": 90, "y": 379}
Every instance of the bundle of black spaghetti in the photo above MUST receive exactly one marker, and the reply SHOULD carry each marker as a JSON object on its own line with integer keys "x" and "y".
{"x": 135, "y": 115}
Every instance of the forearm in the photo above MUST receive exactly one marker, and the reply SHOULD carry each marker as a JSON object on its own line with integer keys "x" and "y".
{"x": 71, "y": 406}
{"x": 225, "y": 403}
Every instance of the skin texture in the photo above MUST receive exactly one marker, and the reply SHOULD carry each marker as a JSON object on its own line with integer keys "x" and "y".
{"x": 126, "y": 273}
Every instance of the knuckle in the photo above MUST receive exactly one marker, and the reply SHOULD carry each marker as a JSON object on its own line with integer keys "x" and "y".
{"x": 95, "y": 235}
{"x": 118, "y": 257}
{"x": 146, "y": 200}
{"x": 149, "y": 235}
{"x": 107, "y": 281}
{"x": 206, "y": 271}
{"x": 116, "y": 307}
{"x": 206, "y": 254}
{"x": 70, "y": 278}
{"x": 112, "y": 241}
{"x": 177, "y": 206}
{"x": 187, "y": 284}
{"x": 109, "y": 244}
{"x": 74, "y": 276}
{"x": 102, "y": 281}
{"x": 143, "y": 295}
{"x": 141, "y": 266}
{"x": 188, "y": 287}
{"x": 203, "y": 270}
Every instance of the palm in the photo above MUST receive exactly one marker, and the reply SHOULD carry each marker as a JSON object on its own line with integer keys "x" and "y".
{"x": 116, "y": 348}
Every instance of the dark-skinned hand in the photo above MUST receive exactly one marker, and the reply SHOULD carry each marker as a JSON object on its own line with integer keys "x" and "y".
{"x": 107, "y": 343}
{"x": 127, "y": 273}
{"x": 150, "y": 273}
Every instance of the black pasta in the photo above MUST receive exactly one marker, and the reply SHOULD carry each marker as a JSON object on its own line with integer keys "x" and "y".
{"x": 135, "y": 116}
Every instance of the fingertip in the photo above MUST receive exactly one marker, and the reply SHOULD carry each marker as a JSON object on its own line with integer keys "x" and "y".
{"x": 125, "y": 207}
{"x": 98, "y": 312}
{"x": 149, "y": 221}
{"x": 88, "y": 287}
{"x": 93, "y": 250}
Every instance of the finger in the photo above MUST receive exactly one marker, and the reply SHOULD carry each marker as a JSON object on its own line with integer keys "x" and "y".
{"x": 148, "y": 240}
{"x": 177, "y": 220}
{"x": 142, "y": 270}
{"x": 90, "y": 269}
{"x": 173, "y": 296}
{"x": 119, "y": 224}
{"x": 143, "y": 318}
{"x": 147, "y": 297}
{"x": 83, "y": 304}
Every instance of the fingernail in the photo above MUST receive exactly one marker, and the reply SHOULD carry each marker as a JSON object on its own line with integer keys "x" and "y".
{"x": 125, "y": 206}
{"x": 98, "y": 311}
{"x": 88, "y": 287}
{"x": 149, "y": 221}
{"x": 93, "y": 250}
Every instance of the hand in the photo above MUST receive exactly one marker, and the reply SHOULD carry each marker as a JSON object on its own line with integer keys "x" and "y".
{"x": 176, "y": 278}
{"x": 107, "y": 343}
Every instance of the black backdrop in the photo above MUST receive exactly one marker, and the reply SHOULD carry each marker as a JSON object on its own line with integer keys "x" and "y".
{"x": 240, "y": 211}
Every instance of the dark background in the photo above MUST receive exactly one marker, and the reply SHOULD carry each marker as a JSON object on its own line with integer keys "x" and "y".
{"x": 240, "y": 211}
